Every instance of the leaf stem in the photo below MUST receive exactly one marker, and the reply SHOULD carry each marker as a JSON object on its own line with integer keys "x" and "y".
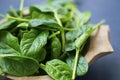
{"x": 54, "y": 34}
{"x": 75, "y": 64}
{"x": 62, "y": 31}
{"x": 42, "y": 66}
{"x": 69, "y": 29}
{"x": 57, "y": 18}
{"x": 18, "y": 19}
{"x": 63, "y": 40}
{"x": 21, "y": 8}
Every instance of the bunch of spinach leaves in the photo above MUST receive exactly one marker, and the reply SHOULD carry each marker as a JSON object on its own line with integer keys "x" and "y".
{"x": 50, "y": 37}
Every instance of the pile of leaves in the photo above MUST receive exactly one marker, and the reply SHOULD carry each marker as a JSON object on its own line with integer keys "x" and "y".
{"x": 48, "y": 40}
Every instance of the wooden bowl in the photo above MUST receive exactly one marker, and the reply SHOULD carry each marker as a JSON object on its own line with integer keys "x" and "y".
{"x": 99, "y": 46}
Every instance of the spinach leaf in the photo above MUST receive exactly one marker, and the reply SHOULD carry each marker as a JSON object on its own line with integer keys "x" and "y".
{"x": 18, "y": 65}
{"x": 7, "y": 25}
{"x": 44, "y": 11}
{"x": 41, "y": 11}
{"x": 41, "y": 15}
{"x": 32, "y": 42}
{"x": 69, "y": 46}
{"x": 21, "y": 33}
{"x": 71, "y": 36}
{"x": 22, "y": 25}
{"x": 47, "y": 22}
{"x": 82, "y": 66}
{"x": 42, "y": 8}
{"x": 55, "y": 47}
{"x": 81, "y": 18}
{"x": 8, "y": 43}
{"x": 42, "y": 54}
{"x": 58, "y": 70}
{"x": 81, "y": 40}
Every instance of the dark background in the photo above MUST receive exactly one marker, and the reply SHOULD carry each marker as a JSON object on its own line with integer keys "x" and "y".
{"x": 107, "y": 67}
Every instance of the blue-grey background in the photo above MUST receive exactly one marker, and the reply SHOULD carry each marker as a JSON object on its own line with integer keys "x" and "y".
{"x": 107, "y": 67}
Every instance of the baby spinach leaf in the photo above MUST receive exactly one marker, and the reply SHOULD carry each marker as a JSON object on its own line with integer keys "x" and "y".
{"x": 81, "y": 18}
{"x": 47, "y": 22}
{"x": 20, "y": 34}
{"x": 8, "y": 43}
{"x": 23, "y": 25}
{"x": 41, "y": 12}
{"x": 71, "y": 36}
{"x": 32, "y": 42}
{"x": 58, "y": 70}
{"x": 18, "y": 65}
{"x": 41, "y": 55}
{"x": 82, "y": 66}
{"x": 69, "y": 46}
{"x": 55, "y": 47}
{"x": 42, "y": 8}
{"x": 7, "y": 25}
{"x": 44, "y": 11}
{"x": 81, "y": 40}
{"x": 41, "y": 15}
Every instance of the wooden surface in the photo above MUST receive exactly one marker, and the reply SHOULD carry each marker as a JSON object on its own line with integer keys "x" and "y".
{"x": 31, "y": 78}
{"x": 99, "y": 44}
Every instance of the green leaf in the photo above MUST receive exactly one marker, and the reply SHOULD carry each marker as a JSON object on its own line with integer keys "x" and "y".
{"x": 46, "y": 12}
{"x": 81, "y": 40}
{"x": 41, "y": 55}
{"x": 47, "y": 22}
{"x": 23, "y": 25}
{"x": 21, "y": 33}
{"x": 55, "y": 47}
{"x": 81, "y": 18}
{"x": 32, "y": 43}
{"x": 7, "y": 25}
{"x": 82, "y": 66}
{"x": 58, "y": 70}
{"x": 8, "y": 43}
{"x": 42, "y": 8}
{"x": 71, "y": 36}
{"x": 41, "y": 15}
{"x": 69, "y": 46}
{"x": 41, "y": 12}
{"x": 18, "y": 65}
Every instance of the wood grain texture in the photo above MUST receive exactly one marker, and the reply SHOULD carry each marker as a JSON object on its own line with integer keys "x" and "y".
{"x": 31, "y": 78}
